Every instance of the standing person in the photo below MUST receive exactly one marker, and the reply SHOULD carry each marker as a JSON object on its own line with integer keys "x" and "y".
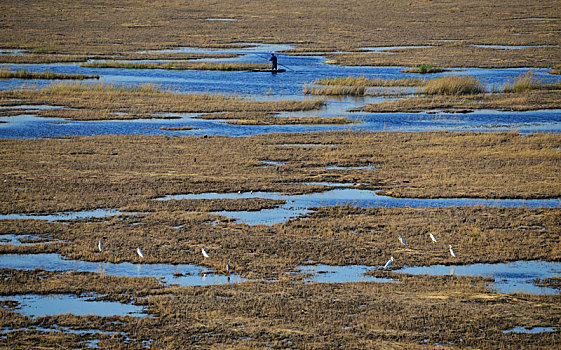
{"x": 273, "y": 60}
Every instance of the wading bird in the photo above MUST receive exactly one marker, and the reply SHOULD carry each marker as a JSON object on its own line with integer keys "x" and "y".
{"x": 205, "y": 254}
{"x": 100, "y": 246}
{"x": 452, "y": 251}
{"x": 432, "y": 237}
{"x": 139, "y": 252}
{"x": 402, "y": 240}
{"x": 228, "y": 268}
{"x": 389, "y": 263}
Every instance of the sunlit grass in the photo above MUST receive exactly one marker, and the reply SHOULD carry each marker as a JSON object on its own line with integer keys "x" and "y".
{"x": 363, "y": 81}
{"x": 6, "y": 73}
{"x": 524, "y": 82}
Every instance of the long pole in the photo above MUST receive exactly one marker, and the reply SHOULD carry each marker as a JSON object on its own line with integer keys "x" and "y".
{"x": 282, "y": 65}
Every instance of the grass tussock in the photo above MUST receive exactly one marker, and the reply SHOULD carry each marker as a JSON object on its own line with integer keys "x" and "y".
{"x": 335, "y": 90}
{"x": 524, "y": 82}
{"x": 424, "y": 69}
{"x": 6, "y": 73}
{"x": 453, "y": 85}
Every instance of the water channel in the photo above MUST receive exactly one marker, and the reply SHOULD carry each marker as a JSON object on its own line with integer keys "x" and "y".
{"x": 304, "y": 69}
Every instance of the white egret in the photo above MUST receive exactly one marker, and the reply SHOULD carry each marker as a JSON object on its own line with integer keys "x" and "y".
{"x": 402, "y": 240}
{"x": 139, "y": 252}
{"x": 205, "y": 254}
{"x": 452, "y": 251}
{"x": 100, "y": 246}
{"x": 389, "y": 263}
{"x": 432, "y": 237}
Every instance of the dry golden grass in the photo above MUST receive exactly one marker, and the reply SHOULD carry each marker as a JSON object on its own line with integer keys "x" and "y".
{"x": 112, "y": 171}
{"x": 453, "y": 85}
{"x": 458, "y": 53}
{"x": 6, "y": 73}
{"x": 334, "y": 90}
{"x": 363, "y": 81}
{"x": 91, "y": 27}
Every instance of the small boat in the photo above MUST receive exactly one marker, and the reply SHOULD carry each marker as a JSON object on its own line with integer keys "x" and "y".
{"x": 270, "y": 70}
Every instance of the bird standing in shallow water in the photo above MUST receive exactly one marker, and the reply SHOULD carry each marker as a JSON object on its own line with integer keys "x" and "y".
{"x": 402, "y": 240}
{"x": 139, "y": 252}
{"x": 389, "y": 263}
{"x": 205, "y": 254}
{"x": 432, "y": 237}
{"x": 452, "y": 251}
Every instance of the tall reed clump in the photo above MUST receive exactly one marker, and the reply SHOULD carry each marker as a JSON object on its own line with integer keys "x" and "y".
{"x": 367, "y": 82}
{"x": 453, "y": 85}
{"x": 423, "y": 69}
{"x": 335, "y": 90}
{"x": 523, "y": 82}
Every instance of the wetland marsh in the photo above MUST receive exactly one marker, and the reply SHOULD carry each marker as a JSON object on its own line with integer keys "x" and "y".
{"x": 176, "y": 198}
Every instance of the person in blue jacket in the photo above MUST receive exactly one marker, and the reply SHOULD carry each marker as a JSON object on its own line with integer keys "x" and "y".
{"x": 273, "y": 60}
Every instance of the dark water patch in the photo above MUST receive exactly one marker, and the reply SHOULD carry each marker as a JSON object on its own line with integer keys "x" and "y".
{"x": 512, "y": 277}
{"x": 388, "y": 49}
{"x": 34, "y": 305}
{"x": 26, "y": 240}
{"x": 239, "y": 48}
{"x": 512, "y": 47}
{"x": 96, "y": 213}
{"x": 339, "y": 274}
{"x": 363, "y": 167}
{"x": 268, "y": 163}
{"x": 221, "y": 19}
{"x": 32, "y": 107}
{"x": 181, "y": 274}
{"x": 535, "y": 19}
{"x": 532, "y": 330}
{"x": 13, "y": 52}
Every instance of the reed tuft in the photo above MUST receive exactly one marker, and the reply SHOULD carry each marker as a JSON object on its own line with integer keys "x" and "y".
{"x": 453, "y": 85}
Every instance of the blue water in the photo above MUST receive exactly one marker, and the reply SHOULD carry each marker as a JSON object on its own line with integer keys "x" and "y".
{"x": 33, "y": 305}
{"x": 300, "y": 204}
{"x": 265, "y": 86}
{"x": 510, "y": 277}
{"x": 191, "y": 275}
